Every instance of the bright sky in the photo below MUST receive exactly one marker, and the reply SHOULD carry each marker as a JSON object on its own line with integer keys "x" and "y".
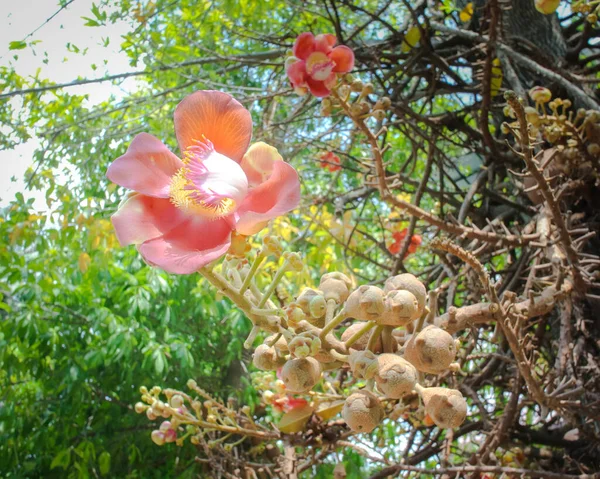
{"x": 18, "y": 18}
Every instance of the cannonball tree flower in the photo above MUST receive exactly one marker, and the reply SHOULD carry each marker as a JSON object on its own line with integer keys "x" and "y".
{"x": 330, "y": 161}
{"x": 398, "y": 236}
{"x": 316, "y": 62}
{"x": 182, "y": 211}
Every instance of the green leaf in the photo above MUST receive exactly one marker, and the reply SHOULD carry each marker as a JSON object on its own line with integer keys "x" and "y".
{"x": 18, "y": 45}
{"x": 104, "y": 463}
{"x": 62, "y": 459}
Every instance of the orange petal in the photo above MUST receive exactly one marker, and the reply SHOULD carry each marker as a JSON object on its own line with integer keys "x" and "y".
{"x": 217, "y": 116}
{"x": 325, "y": 42}
{"x": 304, "y": 45}
{"x": 343, "y": 58}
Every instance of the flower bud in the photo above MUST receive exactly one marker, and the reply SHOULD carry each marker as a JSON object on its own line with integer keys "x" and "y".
{"x": 401, "y": 307}
{"x": 344, "y": 90}
{"x": 532, "y": 116}
{"x": 294, "y": 260}
{"x": 335, "y": 286}
{"x": 272, "y": 245}
{"x": 539, "y": 94}
{"x": 239, "y": 245}
{"x": 317, "y": 307}
{"x": 408, "y": 282}
{"x": 140, "y": 407}
{"x": 365, "y": 303}
{"x": 446, "y": 407}
{"x": 357, "y": 86}
{"x": 158, "y": 437}
{"x": 303, "y": 301}
{"x": 396, "y": 376}
{"x": 363, "y": 364}
{"x": 305, "y": 344}
{"x": 266, "y": 358}
{"x": 176, "y": 401}
{"x": 431, "y": 351}
{"x": 362, "y": 411}
{"x": 294, "y": 315}
{"x": 191, "y": 384}
{"x": 300, "y": 375}
{"x": 150, "y": 414}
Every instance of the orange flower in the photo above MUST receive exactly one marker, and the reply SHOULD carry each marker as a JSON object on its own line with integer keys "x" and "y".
{"x": 398, "y": 237}
{"x": 330, "y": 161}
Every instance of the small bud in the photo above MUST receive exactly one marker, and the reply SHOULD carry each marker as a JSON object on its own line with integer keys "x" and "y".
{"x": 272, "y": 246}
{"x": 305, "y": 344}
{"x": 143, "y": 390}
{"x": 211, "y": 418}
{"x": 357, "y": 86}
{"x": 294, "y": 260}
{"x": 343, "y": 91}
{"x": 176, "y": 401}
{"x": 140, "y": 407}
{"x": 303, "y": 301}
{"x": 539, "y": 94}
{"x": 363, "y": 364}
{"x": 546, "y": 6}
{"x": 266, "y": 358}
{"x": 317, "y": 307}
{"x": 158, "y": 437}
{"x": 150, "y": 414}
{"x": 294, "y": 315}
{"x": 191, "y": 384}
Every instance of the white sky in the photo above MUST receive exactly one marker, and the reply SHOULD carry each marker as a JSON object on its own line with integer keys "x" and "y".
{"x": 18, "y": 18}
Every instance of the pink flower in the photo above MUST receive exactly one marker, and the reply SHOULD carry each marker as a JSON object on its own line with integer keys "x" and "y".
{"x": 316, "y": 63}
{"x": 330, "y": 161}
{"x": 183, "y": 211}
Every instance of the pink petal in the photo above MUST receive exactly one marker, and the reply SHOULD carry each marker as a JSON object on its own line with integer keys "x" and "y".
{"x": 317, "y": 88}
{"x": 147, "y": 167}
{"x": 217, "y": 116}
{"x": 304, "y": 45}
{"x": 297, "y": 73}
{"x": 325, "y": 42}
{"x": 258, "y": 162}
{"x": 190, "y": 246}
{"x": 343, "y": 58}
{"x": 141, "y": 218}
{"x": 275, "y": 197}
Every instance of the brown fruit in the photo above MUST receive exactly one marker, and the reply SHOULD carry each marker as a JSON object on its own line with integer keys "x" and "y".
{"x": 431, "y": 351}
{"x": 365, "y": 303}
{"x": 300, "y": 375}
{"x": 408, "y": 282}
{"x": 396, "y": 376}
{"x": 362, "y": 411}
{"x": 265, "y": 358}
{"x": 401, "y": 307}
{"x": 446, "y": 407}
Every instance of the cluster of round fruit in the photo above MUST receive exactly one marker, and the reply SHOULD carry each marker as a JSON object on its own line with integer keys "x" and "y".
{"x": 385, "y": 348}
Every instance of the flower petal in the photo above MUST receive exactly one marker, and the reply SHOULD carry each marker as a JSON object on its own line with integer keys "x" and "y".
{"x": 141, "y": 218}
{"x": 304, "y": 45}
{"x": 343, "y": 58}
{"x": 146, "y": 167}
{"x": 258, "y": 162}
{"x": 217, "y": 116}
{"x": 317, "y": 88}
{"x": 190, "y": 246}
{"x": 325, "y": 42}
{"x": 296, "y": 72}
{"x": 276, "y": 196}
